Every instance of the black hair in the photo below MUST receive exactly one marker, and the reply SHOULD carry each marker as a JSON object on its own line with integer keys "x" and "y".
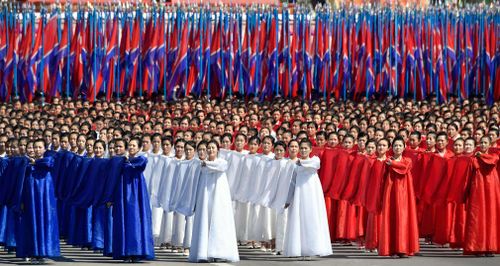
{"x": 280, "y": 143}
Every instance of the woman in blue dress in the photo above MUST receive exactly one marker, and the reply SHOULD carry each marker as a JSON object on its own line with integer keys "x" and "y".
{"x": 132, "y": 225}
{"x": 39, "y": 236}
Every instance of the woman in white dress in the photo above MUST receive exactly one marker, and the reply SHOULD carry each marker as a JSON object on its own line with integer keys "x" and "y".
{"x": 214, "y": 234}
{"x": 282, "y": 216}
{"x": 307, "y": 232}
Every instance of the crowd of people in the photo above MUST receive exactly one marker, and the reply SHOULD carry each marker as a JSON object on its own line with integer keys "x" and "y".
{"x": 287, "y": 176}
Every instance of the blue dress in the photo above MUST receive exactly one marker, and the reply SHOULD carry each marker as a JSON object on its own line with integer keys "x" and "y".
{"x": 39, "y": 232}
{"x": 132, "y": 225}
{"x": 12, "y": 173}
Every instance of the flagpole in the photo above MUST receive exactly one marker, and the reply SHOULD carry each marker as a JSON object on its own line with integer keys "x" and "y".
{"x": 139, "y": 60}
{"x": 209, "y": 31}
{"x": 42, "y": 21}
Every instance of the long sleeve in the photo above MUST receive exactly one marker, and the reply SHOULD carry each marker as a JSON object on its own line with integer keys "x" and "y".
{"x": 138, "y": 163}
{"x": 311, "y": 163}
{"x": 219, "y": 165}
{"x": 291, "y": 189}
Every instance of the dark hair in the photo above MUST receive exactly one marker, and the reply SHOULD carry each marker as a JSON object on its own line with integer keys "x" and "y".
{"x": 179, "y": 141}
{"x": 123, "y": 141}
{"x": 100, "y": 142}
{"x": 156, "y": 135}
{"x": 39, "y": 140}
{"x": 227, "y": 135}
{"x": 416, "y": 133}
{"x": 202, "y": 143}
{"x": 138, "y": 139}
{"x": 471, "y": 139}
{"x": 190, "y": 143}
{"x": 213, "y": 142}
{"x": 307, "y": 142}
{"x": 269, "y": 138}
{"x": 293, "y": 140}
{"x": 254, "y": 138}
{"x": 442, "y": 134}
{"x": 398, "y": 138}
{"x": 280, "y": 143}
{"x": 167, "y": 138}
{"x": 386, "y": 140}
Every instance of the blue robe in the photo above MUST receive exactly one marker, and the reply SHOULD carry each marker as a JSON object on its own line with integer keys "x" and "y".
{"x": 84, "y": 197}
{"x": 132, "y": 225}
{"x": 12, "y": 173}
{"x": 4, "y": 162}
{"x": 62, "y": 162}
{"x": 80, "y": 217}
{"x": 38, "y": 235}
{"x": 97, "y": 188}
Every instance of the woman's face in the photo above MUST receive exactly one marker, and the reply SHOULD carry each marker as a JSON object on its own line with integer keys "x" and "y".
{"x": 348, "y": 143}
{"x": 133, "y": 148}
{"x": 333, "y": 140}
{"x": 484, "y": 144}
{"x": 398, "y": 148}
{"x": 179, "y": 150}
{"x": 81, "y": 142}
{"x": 202, "y": 152}
{"x": 39, "y": 149}
{"x": 382, "y": 147}
{"x": 212, "y": 151}
{"x": 167, "y": 147}
{"x": 469, "y": 146}
{"x": 239, "y": 143}
{"x": 253, "y": 146}
{"x": 267, "y": 146}
{"x": 305, "y": 150}
{"x": 226, "y": 143}
{"x": 189, "y": 151}
{"x": 89, "y": 146}
{"x": 458, "y": 147}
{"x": 30, "y": 151}
{"x": 293, "y": 149}
{"x": 279, "y": 152}
{"x": 370, "y": 148}
{"x": 98, "y": 150}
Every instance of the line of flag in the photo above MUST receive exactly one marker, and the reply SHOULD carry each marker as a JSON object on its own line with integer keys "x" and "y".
{"x": 264, "y": 52}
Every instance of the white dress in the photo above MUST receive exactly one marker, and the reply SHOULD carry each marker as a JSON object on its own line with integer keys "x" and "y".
{"x": 214, "y": 234}
{"x": 162, "y": 199}
{"x": 307, "y": 232}
{"x": 152, "y": 175}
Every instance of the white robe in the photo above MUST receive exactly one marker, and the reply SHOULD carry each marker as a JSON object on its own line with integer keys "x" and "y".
{"x": 162, "y": 199}
{"x": 214, "y": 233}
{"x": 182, "y": 225}
{"x": 307, "y": 232}
{"x": 245, "y": 212}
{"x": 261, "y": 219}
{"x": 152, "y": 175}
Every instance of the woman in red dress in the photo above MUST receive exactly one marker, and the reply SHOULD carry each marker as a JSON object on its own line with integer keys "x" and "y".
{"x": 482, "y": 234}
{"x": 398, "y": 225}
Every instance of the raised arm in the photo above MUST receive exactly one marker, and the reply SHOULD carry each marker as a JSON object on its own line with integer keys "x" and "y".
{"x": 219, "y": 165}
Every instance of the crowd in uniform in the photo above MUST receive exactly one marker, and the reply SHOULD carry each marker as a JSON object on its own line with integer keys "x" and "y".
{"x": 289, "y": 177}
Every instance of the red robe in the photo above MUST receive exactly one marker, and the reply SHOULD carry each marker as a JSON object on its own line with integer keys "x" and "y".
{"x": 443, "y": 211}
{"x": 340, "y": 172}
{"x": 398, "y": 225}
{"x": 372, "y": 203}
{"x": 450, "y": 220}
{"x": 328, "y": 162}
{"x": 482, "y": 232}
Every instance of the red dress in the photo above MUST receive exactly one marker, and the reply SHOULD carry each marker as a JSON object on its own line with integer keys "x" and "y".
{"x": 372, "y": 203}
{"x": 482, "y": 232}
{"x": 398, "y": 225}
